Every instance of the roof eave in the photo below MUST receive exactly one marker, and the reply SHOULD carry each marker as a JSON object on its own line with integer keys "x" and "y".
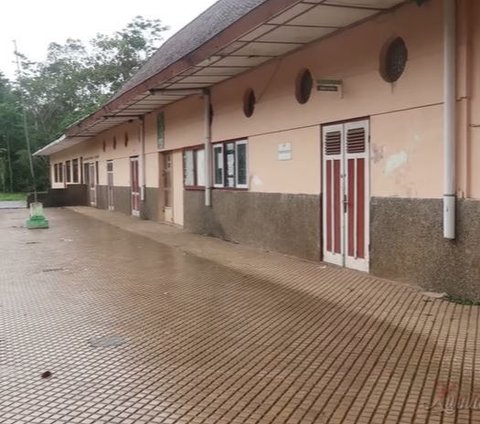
{"x": 249, "y": 21}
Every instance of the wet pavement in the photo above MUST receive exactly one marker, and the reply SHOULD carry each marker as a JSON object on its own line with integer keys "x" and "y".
{"x": 151, "y": 325}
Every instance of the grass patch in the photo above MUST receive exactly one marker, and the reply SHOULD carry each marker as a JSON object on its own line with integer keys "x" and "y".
{"x": 5, "y": 197}
{"x": 462, "y": 301}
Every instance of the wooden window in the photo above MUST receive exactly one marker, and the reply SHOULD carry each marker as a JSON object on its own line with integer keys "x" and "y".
{"x": 68, "y": 169}
{"x": 161, "y": 130}
{"x": 230, "y": 164}
{"x": 200, "y": 167}
{"x": 241, "y": 177}
{"x": 58, "y": 172}
{"x": 75, "y": 173}
{"x": 218, "y": 165}
{"x": 194, "y": 167}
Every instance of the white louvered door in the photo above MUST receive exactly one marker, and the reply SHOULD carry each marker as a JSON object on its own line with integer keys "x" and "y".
{"x": 346, "y": 194}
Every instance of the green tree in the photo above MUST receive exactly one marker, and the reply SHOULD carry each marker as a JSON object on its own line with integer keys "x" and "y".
{"x": 74, "y": 80}
{"x": 10, "y": 132}
{"x": 116, "y": 57}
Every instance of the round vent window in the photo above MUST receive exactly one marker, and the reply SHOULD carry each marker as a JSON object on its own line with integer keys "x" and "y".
{"x": 249, "y": 102}
{"x": 393, "y": 60}
{"x": 303, "y": 86}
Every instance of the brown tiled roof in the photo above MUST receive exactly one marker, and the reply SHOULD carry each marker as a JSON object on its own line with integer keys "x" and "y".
{"x": 210, "y": 23}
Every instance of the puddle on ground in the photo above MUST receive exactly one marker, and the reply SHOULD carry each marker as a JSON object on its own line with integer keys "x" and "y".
{"x": 53, "y": 269}
{"x": 107, "y": 341}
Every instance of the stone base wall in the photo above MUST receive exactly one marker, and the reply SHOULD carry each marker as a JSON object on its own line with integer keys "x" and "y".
{"x": 101, "y": 193}
{"x": 122, "y": 199}
{"x": 150, "y": 205}
{"x": 72, "y": 195}
{"x": 286, "y": 223}
{"x": 407, "y": 244}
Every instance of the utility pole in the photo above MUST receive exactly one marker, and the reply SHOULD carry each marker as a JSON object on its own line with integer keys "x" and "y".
{"x": 9, "y": 158}
{"x": 25, "y": 125}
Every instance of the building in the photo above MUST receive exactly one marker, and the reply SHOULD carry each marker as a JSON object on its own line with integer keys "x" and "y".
{"x": 336, "y": 130}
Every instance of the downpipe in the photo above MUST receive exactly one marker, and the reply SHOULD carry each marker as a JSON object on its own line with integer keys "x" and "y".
{"x": 143, "y": 172}
{"x": 449, "y": 85}
{"x": 208, "y": 142}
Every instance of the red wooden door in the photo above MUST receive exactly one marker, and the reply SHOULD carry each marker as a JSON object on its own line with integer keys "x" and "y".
{"x": 333, "y": 233}
{"x": 110, "y": 186}
{"x": 346, "y": 194}
{"x": 135, "y": 186}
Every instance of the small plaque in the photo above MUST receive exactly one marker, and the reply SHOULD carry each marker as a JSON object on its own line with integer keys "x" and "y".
{"x": 285, "y": 151}
{"x": 335, "y": 86}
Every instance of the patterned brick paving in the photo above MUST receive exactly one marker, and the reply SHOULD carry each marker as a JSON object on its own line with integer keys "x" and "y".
{"x": 195, "y": 330}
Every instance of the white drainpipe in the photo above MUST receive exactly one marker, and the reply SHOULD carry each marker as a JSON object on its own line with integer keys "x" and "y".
{"x": 450, "y": 81}
{"x": 208, "y": 141}
{"x": 143, "y": 172}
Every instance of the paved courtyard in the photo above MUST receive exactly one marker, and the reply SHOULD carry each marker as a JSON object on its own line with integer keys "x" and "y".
{"x": 135, "y": 322}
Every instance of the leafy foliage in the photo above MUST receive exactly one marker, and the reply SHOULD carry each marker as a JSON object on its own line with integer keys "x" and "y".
{"x": 73, "y": 81}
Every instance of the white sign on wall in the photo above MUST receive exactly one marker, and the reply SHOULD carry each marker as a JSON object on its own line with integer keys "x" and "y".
{"x": 285, "y": 151}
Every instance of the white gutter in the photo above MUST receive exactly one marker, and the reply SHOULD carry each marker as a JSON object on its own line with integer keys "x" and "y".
{"x": 450, "y": 81}
{"x": 208, "y": 141}
{"x": 143, "y": 163}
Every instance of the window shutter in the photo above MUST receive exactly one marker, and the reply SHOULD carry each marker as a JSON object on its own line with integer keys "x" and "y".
{"x": 333, "y": 143}
{"x": 356, "y": 140}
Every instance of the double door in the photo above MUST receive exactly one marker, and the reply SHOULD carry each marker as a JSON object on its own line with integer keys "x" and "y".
{"x": 135, "y": 186}
{"x": 90, "y": 175}
{"x": 166, "y": 185}
{"x": 110, "y": 186}
{"x": 346, "y": 194}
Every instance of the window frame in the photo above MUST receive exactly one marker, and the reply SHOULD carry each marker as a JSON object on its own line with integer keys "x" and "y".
{"x": 68, "y": 171}
{"x": 193, "y": 150}
{"x": 75, "y": 165}
{"x": 237, "y": 185}
{"x": 221, "y": 148}
{"x": 241, "y": 143}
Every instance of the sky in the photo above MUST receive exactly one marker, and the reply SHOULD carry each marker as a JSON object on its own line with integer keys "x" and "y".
{"x": 34, "y": 24}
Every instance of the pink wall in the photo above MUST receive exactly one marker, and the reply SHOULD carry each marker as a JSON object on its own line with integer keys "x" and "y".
{"x": 406, "y": 117}
{"x": 401, "y": 112}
